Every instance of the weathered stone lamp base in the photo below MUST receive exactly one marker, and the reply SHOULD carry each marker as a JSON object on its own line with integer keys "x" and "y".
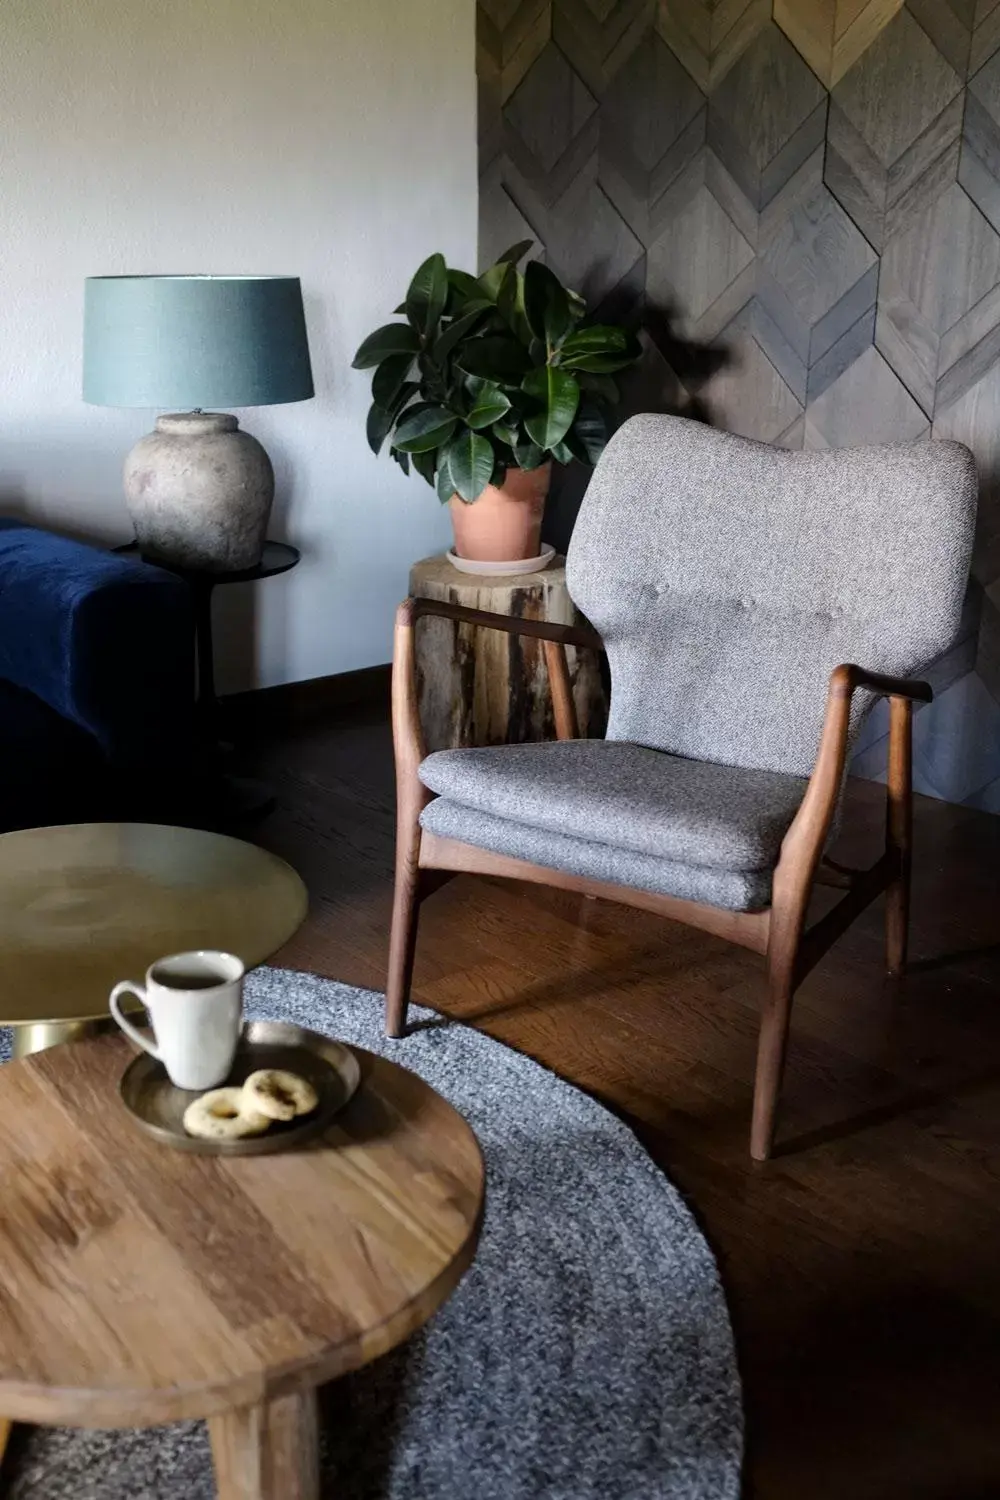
{"x": 199, "y": 492}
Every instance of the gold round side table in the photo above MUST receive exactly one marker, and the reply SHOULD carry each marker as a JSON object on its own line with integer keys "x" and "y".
{"x": 84, "y": 905}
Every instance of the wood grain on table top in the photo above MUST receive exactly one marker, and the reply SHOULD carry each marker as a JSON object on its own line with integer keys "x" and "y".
{"x": 140, "y": 1284}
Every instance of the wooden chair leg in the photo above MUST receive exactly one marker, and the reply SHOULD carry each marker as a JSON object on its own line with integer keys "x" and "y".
{"x": 899, "y": 833}
{"x": 411, "y": 798}
{"x": 771, "y": 1047}
{"x": 402, "y": 946}
{"x": 791, "y": 894}
{"x": 405, "y": 913}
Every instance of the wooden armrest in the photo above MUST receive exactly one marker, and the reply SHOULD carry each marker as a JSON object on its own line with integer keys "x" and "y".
{"x": 543, "y": 630}
{"x": 847, "y": 678}
{"x": 806, "y": 837}
{"x": 407, "y": 734}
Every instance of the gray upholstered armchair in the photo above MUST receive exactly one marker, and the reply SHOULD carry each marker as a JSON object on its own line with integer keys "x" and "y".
{"x": 734, "y": 587}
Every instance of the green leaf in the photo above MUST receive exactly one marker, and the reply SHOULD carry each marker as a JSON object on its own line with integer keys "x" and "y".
{"x": 489, "y": 406}
{"x": 601, "y": 387}
{"x": 489, "y": 281}
{"x": 402, "y": 459}
{"x": 470, "y": 463}
{"x": 559, "y": 395}
{"x": 510, "y": 308}
{"x": 467, "y": 286}
{"x": 377, "y": 427}
{"x": 404, "y": 396}
{"x": 515, "y": 253}
{"x": 418, "y": 407}
{"x": 381, "y": 418}
{"x": 599, "y": 338}
{"x": 577, "y": 305}
{"x": 579, "y": 352}
{"x": 528, "y": 455}
{"x": 391, "y": 338}
{"x": 423, "y": 428}
{"x": 546, "y": 303}
{"x": 433, "y": 384}
{"x": 563, "y": 453}
{"x": 455, "y": 305}
{"x": 427, "y": 295}
{"x": 389, "y": 379}
{"x": 443, "y": 482}
{"x": 496, "y": 358}
{"x": 479, "y": 304}
{"x": 455, "y": 332}
{"x": 507, "y": 295}
{"x": 472, "y": 296}
{"x": 588, "y": 435}
{"x": 424, "y": 464}
{"x": 600, "y": 364}
{"x": 507, "y": 432}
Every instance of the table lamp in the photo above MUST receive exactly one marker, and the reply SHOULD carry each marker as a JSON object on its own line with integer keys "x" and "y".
{"x": 199, "y": 490}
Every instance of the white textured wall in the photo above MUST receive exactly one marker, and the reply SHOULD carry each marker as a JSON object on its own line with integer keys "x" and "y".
{"x": 330, "y": 139}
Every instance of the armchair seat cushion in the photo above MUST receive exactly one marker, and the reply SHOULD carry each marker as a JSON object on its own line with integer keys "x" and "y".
{"x": 625, "y": 797}
{"x": 734, "y": 890}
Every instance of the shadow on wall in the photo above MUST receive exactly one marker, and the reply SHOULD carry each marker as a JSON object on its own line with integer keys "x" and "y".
{"x": 13, "y": 506}
{"x": 241, "y": 654}
{"x": 670, "y": 370}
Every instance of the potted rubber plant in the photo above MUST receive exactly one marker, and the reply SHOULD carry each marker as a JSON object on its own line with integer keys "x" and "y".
{"x": 485, "y": 383}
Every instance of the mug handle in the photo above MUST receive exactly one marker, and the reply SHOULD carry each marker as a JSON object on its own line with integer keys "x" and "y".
{"x": 128, "y": 988}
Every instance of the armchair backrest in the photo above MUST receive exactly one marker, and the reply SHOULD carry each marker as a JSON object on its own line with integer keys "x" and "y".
{"x": 728, "y": 578}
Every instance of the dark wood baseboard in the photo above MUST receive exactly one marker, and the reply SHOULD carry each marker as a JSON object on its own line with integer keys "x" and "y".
{"x": 292, "y": 705}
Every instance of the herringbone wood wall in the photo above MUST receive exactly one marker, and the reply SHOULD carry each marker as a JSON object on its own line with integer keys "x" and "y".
{"x": 811, "y": 188}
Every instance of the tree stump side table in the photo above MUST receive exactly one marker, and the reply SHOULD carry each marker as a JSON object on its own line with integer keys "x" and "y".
{"x": 482, "y": 687}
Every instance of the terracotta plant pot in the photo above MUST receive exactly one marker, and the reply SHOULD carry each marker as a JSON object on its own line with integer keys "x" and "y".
{"x": 504, "y": 523}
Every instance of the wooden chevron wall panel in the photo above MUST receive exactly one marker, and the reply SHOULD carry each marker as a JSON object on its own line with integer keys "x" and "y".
{"x": 833, "y": 34}
{"x": 707, "y": 36}
{"x": 798, "y": 201}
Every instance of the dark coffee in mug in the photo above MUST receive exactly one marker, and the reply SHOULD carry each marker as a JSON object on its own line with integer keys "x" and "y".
{"x": 182, "y": 979}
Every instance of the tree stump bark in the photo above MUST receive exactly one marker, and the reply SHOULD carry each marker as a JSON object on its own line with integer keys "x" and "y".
{"x": 484, "y": 687}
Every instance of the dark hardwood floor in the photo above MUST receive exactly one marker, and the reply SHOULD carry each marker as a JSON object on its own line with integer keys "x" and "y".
{"x": 862, "y": 1264}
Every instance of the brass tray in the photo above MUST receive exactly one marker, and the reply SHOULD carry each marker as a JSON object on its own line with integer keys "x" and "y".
{"x": 157, "y": 1106}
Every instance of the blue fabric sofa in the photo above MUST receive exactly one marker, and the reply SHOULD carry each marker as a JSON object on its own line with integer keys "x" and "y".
{"x": 96, "y": 683}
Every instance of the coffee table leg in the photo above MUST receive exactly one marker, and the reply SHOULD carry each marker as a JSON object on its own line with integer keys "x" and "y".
{"x": 268, "y": 1452}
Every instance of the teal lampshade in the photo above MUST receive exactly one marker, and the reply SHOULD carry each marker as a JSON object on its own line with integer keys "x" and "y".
{"x": 188, "y": 342}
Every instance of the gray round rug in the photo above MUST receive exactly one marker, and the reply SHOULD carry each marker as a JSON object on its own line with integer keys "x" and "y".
{"x": 587, "y": 1355}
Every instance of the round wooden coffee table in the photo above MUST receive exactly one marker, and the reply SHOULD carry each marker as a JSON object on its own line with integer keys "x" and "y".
{"x": 143, "y": 1285}
{"x": 85, "y": 905}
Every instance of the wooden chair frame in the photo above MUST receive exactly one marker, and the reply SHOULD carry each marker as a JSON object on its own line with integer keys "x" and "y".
{"x": 424, "y": 860}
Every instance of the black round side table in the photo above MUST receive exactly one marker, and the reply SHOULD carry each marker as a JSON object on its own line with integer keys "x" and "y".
{"x": 278, "y": 557}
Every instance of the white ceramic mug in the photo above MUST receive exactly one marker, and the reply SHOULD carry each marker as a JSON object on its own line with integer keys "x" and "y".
{"x": 195, "y": 1006}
